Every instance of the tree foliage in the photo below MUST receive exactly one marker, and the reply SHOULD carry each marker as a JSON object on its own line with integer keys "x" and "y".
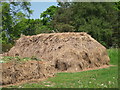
{"x": 97, "y": 19}
{"x": 13, "y": 13}
{"x": 47, "y": 15}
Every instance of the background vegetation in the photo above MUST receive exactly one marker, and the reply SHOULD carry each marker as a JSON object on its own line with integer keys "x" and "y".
{"x": 100, "y": 20}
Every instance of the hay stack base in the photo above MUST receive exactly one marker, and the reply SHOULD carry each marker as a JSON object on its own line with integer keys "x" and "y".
{"x": 14, "y": 72}
{"x": 63, "y": 51}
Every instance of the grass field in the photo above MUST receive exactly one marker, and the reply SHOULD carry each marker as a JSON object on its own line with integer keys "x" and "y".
{"x": 102, "y": 78}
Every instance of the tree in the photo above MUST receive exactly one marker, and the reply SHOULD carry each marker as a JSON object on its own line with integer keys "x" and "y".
{"x": 97, "y": 19}
{"x": 62, "y": 21}
{"x": 13, "y": 13}
{"x": 116, "y": 33}
{"x": 117, "y": 5}
{"x": 47, "y": 15}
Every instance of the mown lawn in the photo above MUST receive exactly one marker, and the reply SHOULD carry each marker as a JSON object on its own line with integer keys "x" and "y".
{"x": 102, "y": 78}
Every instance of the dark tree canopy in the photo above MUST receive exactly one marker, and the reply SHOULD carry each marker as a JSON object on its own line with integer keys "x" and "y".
{"x": 97, "y": 19}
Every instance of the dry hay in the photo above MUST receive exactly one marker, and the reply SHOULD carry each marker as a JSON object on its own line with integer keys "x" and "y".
{"x": 63, "y": 51}
{"x": 16, "y": 72}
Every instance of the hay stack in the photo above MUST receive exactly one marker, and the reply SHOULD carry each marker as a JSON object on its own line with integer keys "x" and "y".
{"x": 66, "y": 51}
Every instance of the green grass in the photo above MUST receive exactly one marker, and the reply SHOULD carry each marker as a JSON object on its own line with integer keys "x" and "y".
{"x": 102, "y": 78}
{"x": 113, "y": 54}
{"x": 6, "y": 59}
